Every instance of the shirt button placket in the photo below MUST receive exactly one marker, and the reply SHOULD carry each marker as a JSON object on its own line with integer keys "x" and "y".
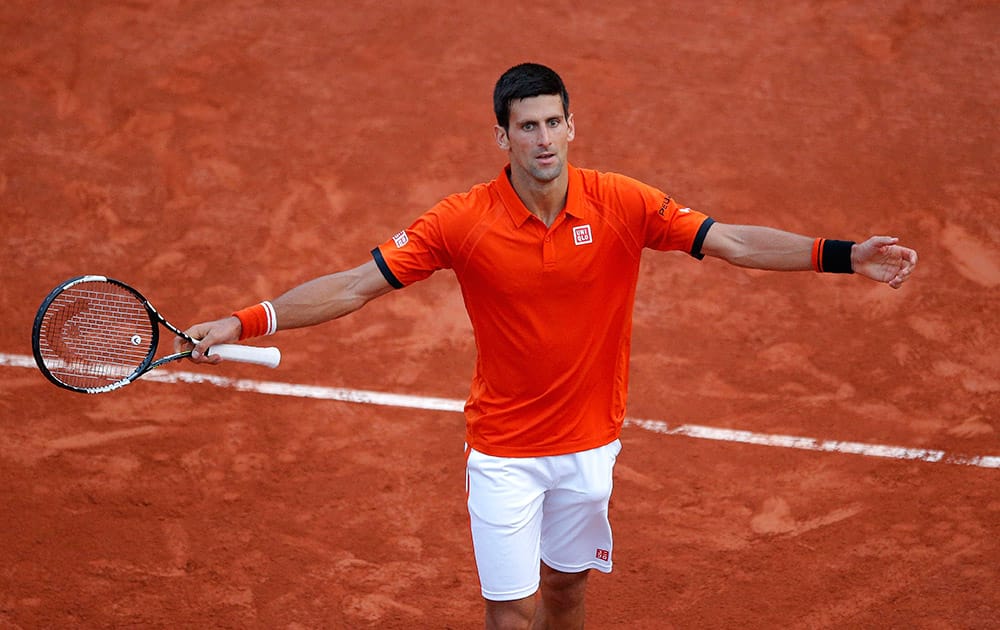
{"x": 549, "y": 252}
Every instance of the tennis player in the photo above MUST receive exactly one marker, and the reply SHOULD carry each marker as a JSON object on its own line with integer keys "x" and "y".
{"x": 547, "y": 257}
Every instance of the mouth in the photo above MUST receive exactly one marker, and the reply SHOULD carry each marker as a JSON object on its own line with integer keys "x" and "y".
{"x": 546, "y": 158}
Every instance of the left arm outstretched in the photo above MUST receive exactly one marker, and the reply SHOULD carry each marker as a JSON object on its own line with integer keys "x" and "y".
{"x": 879, "y": 258}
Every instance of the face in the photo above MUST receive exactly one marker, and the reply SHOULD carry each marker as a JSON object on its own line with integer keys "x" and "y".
{"x": 537, "y": 138}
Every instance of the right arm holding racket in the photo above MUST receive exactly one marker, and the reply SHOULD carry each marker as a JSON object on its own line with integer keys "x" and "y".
{"x": 313, "y": 302}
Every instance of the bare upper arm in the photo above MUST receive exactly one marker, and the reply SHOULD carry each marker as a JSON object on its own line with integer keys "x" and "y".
{"x": 720, "y": 241}
{"x": 368, "y": 282}
{"x": 758, "y": 247}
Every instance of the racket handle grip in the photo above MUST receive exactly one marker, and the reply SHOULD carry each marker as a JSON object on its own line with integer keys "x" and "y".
{"x": 269, "y": 357}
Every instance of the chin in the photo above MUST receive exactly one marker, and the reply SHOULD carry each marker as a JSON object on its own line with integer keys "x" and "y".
{"x": 547, "y": 174}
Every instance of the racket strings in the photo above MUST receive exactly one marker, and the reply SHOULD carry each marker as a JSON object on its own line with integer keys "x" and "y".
{"x": 95, "y": 333}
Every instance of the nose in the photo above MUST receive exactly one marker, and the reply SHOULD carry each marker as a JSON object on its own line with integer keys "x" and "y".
{"x": 544, "y": 136}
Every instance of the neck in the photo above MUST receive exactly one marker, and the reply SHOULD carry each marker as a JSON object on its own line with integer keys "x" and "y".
{"x": 545, "y": 200}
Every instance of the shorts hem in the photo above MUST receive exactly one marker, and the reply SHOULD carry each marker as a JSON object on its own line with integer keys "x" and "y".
{"x": 509, "y": 596}
{"x": 603, "y": 567}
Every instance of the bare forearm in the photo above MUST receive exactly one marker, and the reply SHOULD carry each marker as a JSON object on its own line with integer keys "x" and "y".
{"x": 316, "y": 301}
{"x": 759, "y": 247}
{"x": 328, "y": 297}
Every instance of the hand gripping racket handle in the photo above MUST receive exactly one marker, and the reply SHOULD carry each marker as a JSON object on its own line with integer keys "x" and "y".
{"x": 269, "y": 357}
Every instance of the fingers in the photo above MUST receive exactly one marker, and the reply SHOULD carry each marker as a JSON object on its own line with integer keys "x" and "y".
{"x": 879, "y": 245}
{"x": 181, "y": 344}
{"x": 881, "y": 258}
{"x": 197, "y": 349}
{"x": 200, "y": 352}
{"x": 206, "y": 335}
{"x": 907, "y": 261}
{"x": 898, "y": 280}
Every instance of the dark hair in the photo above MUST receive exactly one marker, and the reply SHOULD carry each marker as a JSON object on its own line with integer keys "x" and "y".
{"x": 525, "y": 81}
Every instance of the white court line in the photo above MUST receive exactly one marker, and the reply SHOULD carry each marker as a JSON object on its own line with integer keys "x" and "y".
{"x": 365, "y": 397}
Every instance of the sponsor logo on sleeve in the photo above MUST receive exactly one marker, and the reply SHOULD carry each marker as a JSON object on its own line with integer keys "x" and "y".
{"x": 400, "y": 238}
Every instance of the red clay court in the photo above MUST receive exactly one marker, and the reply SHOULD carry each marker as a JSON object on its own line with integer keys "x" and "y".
{"x": 216, "y": 154}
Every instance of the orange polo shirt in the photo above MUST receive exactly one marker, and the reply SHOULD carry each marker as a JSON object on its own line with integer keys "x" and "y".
{"x": 551, "y": 307}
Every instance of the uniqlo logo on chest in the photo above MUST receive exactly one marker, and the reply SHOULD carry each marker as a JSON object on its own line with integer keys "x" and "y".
{"x": 602, "y": 554}
{"x": 400, "y": 238}
{"x": 582, "y": 235}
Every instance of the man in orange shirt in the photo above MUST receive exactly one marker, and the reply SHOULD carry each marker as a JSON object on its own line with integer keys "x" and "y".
{"x": 547, "y": 257}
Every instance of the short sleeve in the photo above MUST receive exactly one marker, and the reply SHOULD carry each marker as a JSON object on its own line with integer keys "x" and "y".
{"x": 414, "y": 253}
{"x": 664, "y": 224}
{"x": 672, "y": 226}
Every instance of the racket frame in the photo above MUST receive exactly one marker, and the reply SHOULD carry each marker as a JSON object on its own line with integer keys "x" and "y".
{"x": 147, "y": 363}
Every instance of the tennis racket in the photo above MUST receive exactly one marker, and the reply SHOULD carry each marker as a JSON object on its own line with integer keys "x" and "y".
{"x": 94, "y": 334}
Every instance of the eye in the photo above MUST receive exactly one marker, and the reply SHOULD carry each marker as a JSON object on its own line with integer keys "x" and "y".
{"x": 528, "y": 126}
{"x": 554, "y": 122}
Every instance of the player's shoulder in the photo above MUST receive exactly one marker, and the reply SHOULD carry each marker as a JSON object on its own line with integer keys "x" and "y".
{"x": 475, "y": 197}
{"x": 610, "y": 187}
{"x": 598, "y": 182}
{"x": 461, "y": 209}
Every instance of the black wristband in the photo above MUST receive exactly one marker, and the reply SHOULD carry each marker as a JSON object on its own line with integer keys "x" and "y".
{"x": 836, "y": 256}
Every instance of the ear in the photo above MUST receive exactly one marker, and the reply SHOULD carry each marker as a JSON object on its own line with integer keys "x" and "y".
{"x": 500, "y": 135}
{"x": 570, "y": 128}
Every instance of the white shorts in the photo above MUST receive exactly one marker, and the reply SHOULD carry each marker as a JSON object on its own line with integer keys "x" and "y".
{"x": 551, "y": 509}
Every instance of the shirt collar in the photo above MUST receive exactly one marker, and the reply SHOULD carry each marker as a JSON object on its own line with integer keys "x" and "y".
{"x": 516, "y": 208}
